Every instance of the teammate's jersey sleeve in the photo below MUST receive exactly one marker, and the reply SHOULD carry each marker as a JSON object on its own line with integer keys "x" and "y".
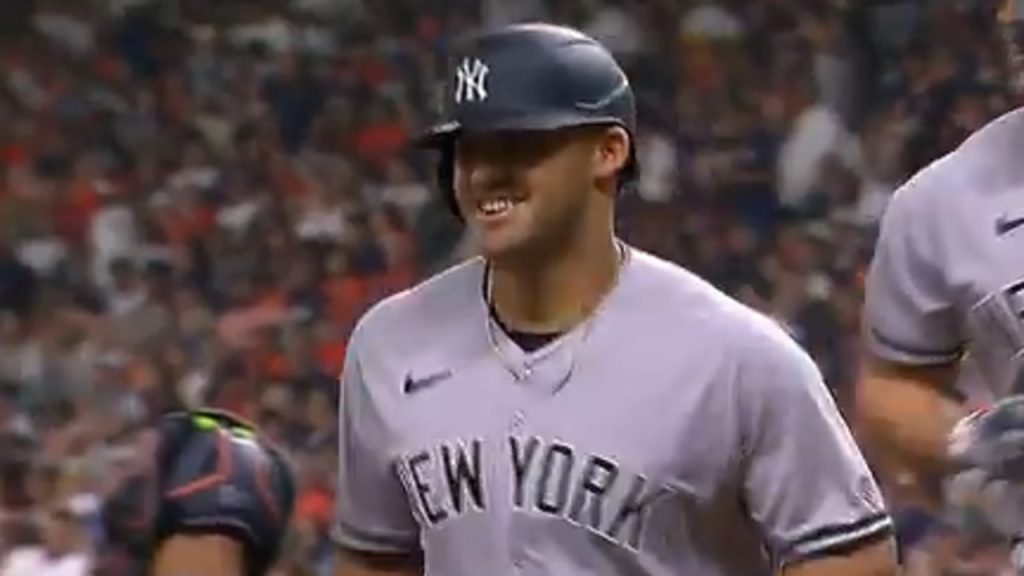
{"x": 373, "y": 513}
{"x": 910, "y": 309}
{"x": 806, "y": 484}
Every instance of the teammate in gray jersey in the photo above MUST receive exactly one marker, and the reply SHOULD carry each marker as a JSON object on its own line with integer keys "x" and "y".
{"x": 566, "y": 404}
{"x": 947, "y": 284}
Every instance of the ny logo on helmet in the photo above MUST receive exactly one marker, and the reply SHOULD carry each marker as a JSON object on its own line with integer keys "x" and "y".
{"x": 471, "y": 81}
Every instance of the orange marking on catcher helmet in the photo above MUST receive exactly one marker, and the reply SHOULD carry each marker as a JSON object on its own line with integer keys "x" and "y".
{"x": 212, "y": 479}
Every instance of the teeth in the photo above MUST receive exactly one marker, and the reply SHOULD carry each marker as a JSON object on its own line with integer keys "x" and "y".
{"x": 495, "y": 206}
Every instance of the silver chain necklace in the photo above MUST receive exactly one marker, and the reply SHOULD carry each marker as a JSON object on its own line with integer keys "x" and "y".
{"x": 582, "y": 331}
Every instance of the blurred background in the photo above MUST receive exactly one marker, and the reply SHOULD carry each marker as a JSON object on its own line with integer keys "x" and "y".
{"x": 198, "y": 198}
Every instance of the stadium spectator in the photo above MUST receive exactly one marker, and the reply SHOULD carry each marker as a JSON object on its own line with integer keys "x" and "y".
{"x": 198, "y": 199}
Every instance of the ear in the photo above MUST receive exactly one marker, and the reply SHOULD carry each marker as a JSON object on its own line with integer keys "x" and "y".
{"x": 1007, "y": 13}
{"x": 611, "y": 153}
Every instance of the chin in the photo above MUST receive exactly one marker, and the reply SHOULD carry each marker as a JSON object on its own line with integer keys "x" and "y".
{"x": 504, "y": 245}
{"x": 499, "y": 248}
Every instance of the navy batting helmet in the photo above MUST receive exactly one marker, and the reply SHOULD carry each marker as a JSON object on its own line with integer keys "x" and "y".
{"x": 530, "y": 77}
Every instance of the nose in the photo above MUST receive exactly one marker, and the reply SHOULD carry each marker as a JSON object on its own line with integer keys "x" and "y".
{"x": 485, "y": 177}
{"x": 481, "y": 173}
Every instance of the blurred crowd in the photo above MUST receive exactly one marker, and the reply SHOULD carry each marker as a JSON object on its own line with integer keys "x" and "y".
{"x": 197, "y": 200}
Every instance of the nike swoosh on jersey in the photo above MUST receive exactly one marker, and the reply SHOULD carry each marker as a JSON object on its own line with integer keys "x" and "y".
{"x": 413, "y": 384}
{"x": 1006, "y": 225}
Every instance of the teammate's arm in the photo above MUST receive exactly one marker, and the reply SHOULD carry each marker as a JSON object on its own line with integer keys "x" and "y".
{"x": 877, "y": 559}
{"x": 375, "y": 530}
{"x": 905, "y": 405}
{"x": 904, "y": 416}
{"x": 349, "y": 563}
{"x": 806, "y": 484}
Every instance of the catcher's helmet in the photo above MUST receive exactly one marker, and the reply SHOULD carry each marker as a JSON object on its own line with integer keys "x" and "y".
{"x": 530, "y": 77}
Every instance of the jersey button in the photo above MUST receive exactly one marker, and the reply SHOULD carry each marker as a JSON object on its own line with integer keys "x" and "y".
{"x": 517, "y": 419}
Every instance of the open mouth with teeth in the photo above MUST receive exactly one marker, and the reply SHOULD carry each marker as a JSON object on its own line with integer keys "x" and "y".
{"x": 495, "y": 207}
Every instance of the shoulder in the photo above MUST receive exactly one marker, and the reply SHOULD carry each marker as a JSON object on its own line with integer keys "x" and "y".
{"x": 704, "y": 314}
{"x": 983, "y": 163}
{"x": 757, "y": 365}
{"x": 23, "y": 558}
{"x": 414, "y": 316}
{"x": 672, "y": 288}
{"x": 72, "y": 565}
{"x": 925, "y": 194}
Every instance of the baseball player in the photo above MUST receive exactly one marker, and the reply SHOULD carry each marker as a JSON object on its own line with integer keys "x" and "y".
{"x": 947, "y": 284}
{"x": 566, "y": 404}
{"x": 209, "y": 497}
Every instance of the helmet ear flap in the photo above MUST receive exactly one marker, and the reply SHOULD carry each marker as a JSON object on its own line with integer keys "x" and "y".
{"x": 446, "y": 175}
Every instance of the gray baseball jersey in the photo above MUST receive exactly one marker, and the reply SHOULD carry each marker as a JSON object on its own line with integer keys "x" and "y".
{"x": 677, "y": 432}
{"x": 948, "y": 272}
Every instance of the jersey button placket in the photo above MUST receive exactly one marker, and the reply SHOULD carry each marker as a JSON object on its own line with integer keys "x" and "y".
{"x": 518, "y": 552}
{"x": 523, "y": 559}
{"x": 517, "y": 421}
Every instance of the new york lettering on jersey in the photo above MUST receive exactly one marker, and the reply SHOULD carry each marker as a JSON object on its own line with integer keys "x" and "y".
{"x": 675, "y": 446}
{"x": 549, "y": 478}
{"x": 518, "y": 454}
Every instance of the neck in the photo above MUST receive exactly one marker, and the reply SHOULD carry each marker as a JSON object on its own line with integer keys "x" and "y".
{"x": 557, "y": 293}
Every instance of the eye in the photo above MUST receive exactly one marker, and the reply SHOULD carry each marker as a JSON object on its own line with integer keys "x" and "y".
{"x": 531, "y": 148}
{"x": 510, "y": 148}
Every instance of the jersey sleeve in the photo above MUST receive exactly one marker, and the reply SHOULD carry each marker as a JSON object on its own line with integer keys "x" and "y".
{"x": 372, "y": 514}
{"x": 806, "y": 484}
{"x": 910, "y": 313}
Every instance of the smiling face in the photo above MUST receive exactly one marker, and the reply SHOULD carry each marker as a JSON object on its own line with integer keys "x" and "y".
{"x": 525, "y": 191}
